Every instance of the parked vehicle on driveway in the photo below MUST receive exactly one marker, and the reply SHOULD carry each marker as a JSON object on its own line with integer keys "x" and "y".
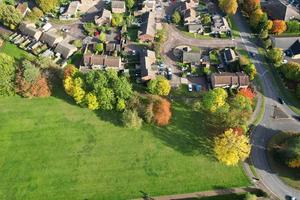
{"x": 190, "y": 87}
{"x": 280, "y": 100}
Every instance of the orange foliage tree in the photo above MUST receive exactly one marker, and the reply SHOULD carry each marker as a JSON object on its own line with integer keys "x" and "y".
{"x": 247, "y": 92}
{"x": 279, "y": 26}
{"x": 162, "y": 112}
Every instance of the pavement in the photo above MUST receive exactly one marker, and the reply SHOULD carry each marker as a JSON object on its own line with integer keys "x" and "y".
{"x": 268, "y": 126}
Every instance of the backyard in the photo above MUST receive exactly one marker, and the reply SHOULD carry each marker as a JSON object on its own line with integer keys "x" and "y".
{"x": 51, "y": 148}
{"x": 13, "y": 50}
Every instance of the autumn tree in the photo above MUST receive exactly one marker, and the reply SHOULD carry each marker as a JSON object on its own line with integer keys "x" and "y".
{"x": 160, "y": 86}
{"x": 91, "y": 101}
{"x": 9, "y": 16}
{"x": 176, "y": 17}
{"x": 47, "y": 5}
{"x": 250, "y": 70}
{"x": 230, "y": 148}
{"x": 248, "y": 93}
{"x": 228, "y": 6}
{"x": 78, "y": 91}
{"x": 7, "y": 74}
{"x": 214, "y": 99}
{"x": 279, "y": 26}
{"x": 275, "y": 55}
{"x": 256, "y": 17}
{"x": 249, "y": 6}
{"x": 117, "y": 20}
{"x": 162, "y": 112}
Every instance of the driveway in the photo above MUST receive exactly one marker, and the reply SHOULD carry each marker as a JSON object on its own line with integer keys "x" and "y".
{"x": 269, "y": 126}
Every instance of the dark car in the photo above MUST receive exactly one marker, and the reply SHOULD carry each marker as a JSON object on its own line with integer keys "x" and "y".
{"x": 281, "y": 100}
{"x": 288, "y": 197}
{"x": 296, "y": 117}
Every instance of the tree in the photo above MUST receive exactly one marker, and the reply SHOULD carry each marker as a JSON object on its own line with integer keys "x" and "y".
{"x": 78, "y": 91}
{"x": 102, "y": 37}
{"x": 77, "y": 43}
{"x": 269, "y": 25}
{"x": 278, "y": 27}
{"x": 106, "y": 98}
{"x": 122, "y": 88}
{"x": 117, "y": 19}
{"x": 249, "y": 6}
{"x": 176, "y": 17}
{"x": 267, "y": 43}
{"x": 206, "y": 20}
{"x": 250, "y": 70}
{"x": 91, "y": 100}
{"x": 248, "y": 93}
{"x": 228, "y": 6}
{"x": 160, "y": 86}
{"x": 275, "y": 55}
{"x": 293, "y": 26}
{"x": 7, "y": 75}
{"x": 10, "y": 16}
{"x": 99, "y": 48}
{"x": 291, "y": 71}
{"x": 121, "y": 105}
{"x": 30, "y": 72}
{"x": 264, "y": 34}
{"x": 230, "y": 148}
{"x": 255, "y": 18}
{"x": 131, "y": 119}
{"x": 129, "y": 4}
{"x": 162, "y": 112}
{"x": 214, "y": 99}
{"x": 47, "y": 5}
{"x": 289, "y": 151}
{"x": 89, "y": 28}
{"x": 244, "y": 60}
{"x": 35, "y": 14}
{"x": 39, "y": 89}
{"x": 250, "y": 196}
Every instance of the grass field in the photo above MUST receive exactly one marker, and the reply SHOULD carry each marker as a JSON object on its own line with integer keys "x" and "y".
{"x": 53, "y": 149}
{"x": 13, "y": 51}
{"x": 221, "y": 197}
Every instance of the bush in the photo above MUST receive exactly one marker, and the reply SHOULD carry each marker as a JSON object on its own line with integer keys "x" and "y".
{"x": 289, "y": 151}
{"x": 250, "y": 196}
{"x": 131, "y": 119}
{"x": 197, "y": 106}
{"x": 162, "y": 112}
{"x": 77, "y": 43}
{"x": 293, "y": 26}
{"x": 160, "y": 86}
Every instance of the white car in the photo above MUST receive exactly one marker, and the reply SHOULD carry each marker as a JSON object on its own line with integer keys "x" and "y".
{"x": 190, "y": 86}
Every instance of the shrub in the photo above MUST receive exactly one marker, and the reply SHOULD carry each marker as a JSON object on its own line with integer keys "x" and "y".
{"x": 160, "y": 86}
{"x": 250, "y": 196}
{"x": 162, "y": 112}
{"x": 131, "y": 119}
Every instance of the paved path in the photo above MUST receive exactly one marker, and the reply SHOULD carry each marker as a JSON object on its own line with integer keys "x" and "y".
{"x": 268, "y": 127}
{"x": 205, "y": 193}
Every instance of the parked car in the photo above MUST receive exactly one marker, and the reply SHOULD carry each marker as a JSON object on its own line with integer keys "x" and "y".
{"x": 190, "y": 87}
{"x": 65, "y": 30}
{"x": 169, "y": 74}
{"x": 296, "y": 117}
{"x": 288, "y": 197}
{"x": 280, "y": 100}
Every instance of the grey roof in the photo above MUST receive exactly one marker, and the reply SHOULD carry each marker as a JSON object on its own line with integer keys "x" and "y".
{"x": 277, "y": 10}
{"x": 65, "y": 49}
{"x": 51, "y": 37}
{"x": 30, "y": 30}
{"x": 72, "y": 8}
{"x": 229, "y": 79}
{"x": 295, "y": 48}
{"x": 146, "y": 63}
{"x": 284, "y": 42}
{"x": 149, "y": 25}
{"x": 195, "y": 27}
{"x": 191, "y": 57}
{"x": 229, "y": 55}
{"x": 102, "y": 60}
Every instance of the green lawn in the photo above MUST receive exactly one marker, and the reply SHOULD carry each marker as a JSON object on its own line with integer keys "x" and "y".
{"x": 13, "y": 51}
{"x": 221, "y": 197}
{"x": 234, "y": 28}
{"x": 53, "y": 149}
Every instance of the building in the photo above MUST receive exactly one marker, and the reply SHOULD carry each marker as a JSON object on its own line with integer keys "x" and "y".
{"x": 189, "y": 4}
{"x": 23, "y": 8}
{"x": 290, "y": 45}
{"x": 30, "y": 30}
{"x": 51, "y": 38}
{"x": 65, "y": 49}
{"x": 229, "y": 80}
{"x": 294, "y": 50}
{"x": 278, "y": 10}
{"x": 229, "y": 56}
{"x": 91, "y": 61}
{"x": 118, "y": 6}
{"x": 219, "y": 25}
{"x": 195, "y": 28}
{"x": 148, "y": 6}
{"x": 104, "y": 18}
{"x": 189, "y": 16}
{"x": 191, "y": 57}
{"x": 71, "y": 11}
{"x": 148, "y": 65}
{"x": 148, "y": 27}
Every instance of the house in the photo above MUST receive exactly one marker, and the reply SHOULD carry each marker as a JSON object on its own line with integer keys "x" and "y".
{"x": 219, "y": 25}
{"x": 118, "y": 6}
{"x": 65, "y": 49}
{"x": 229, "y": 56}
{"x": 189, "y": 4}
{"x": 191, "y": 57}
{"x": 23, "y": 8}
{"x": 148, "y": 65}
{"x": 52, "y": 37}
{"x": 104, "y": 18}
{"x": 229, "y": 80}
{"x": 46, "y": 27}
{"x": 91, "y": 61}
{"x": 71, "y": 11}
{"x": 288, "y": 44}
{"x": 189, "y": 16}
{"x": 110, "y": 47}
{"x": 148, "y": 6}
{"x": 30, "y": 30}
{"x": 195, "y": 28}
{"x": 278, "y": 10}
{"x": 148, "y": 27}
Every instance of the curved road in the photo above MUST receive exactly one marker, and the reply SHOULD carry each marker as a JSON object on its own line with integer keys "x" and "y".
{"x": 268, "y": 127}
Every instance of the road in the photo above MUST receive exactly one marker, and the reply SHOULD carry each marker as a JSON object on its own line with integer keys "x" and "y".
{"x": 268, "y": 127}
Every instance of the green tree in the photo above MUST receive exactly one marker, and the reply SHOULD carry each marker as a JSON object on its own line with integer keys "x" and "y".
{"x": 230, "y": 148}
{"x": 160, "y": 86}
{"x": 176, "y": 17}
{"x": 129, "y": 4}
{"x": 275, "y": 55}
{"x": 131, "y": 119}
{"x": 228, "y": 6}
{"x": 121, "y": 105}
{"x": 102, "y": 37}
{"x": 92, "y": 102}
{"x": 47, "y": 5}
{"x": 77, "y": 43}
{"x": 249, "y": 6}
{"x": 267, "y": 43}
{"x": 250, "y": 70}
{"x": 255, "y": 18}
{"x": 99, "y": 48}
{"x": 10, "y": 16}
{"x": 293, "y": 26}
{"x": 250, "y": 196}
{"x": 35, "y": 14}
{"x": 206, "y": 20}
{"x": 291, "y": 71}
{"x": 117, "y": 20}
{"x": 89, "y": 28}
{"x": 264, "y": 34}
{"x": 214, "y": 99}
{"x": 122, "y": 88}
{"x": 106, "y": 98}
{"x": 31, "y": 73}
{"x": 7, "y": 75}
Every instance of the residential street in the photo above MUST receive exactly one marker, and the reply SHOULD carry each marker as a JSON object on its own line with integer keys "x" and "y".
{"x": 268, "y": 126}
